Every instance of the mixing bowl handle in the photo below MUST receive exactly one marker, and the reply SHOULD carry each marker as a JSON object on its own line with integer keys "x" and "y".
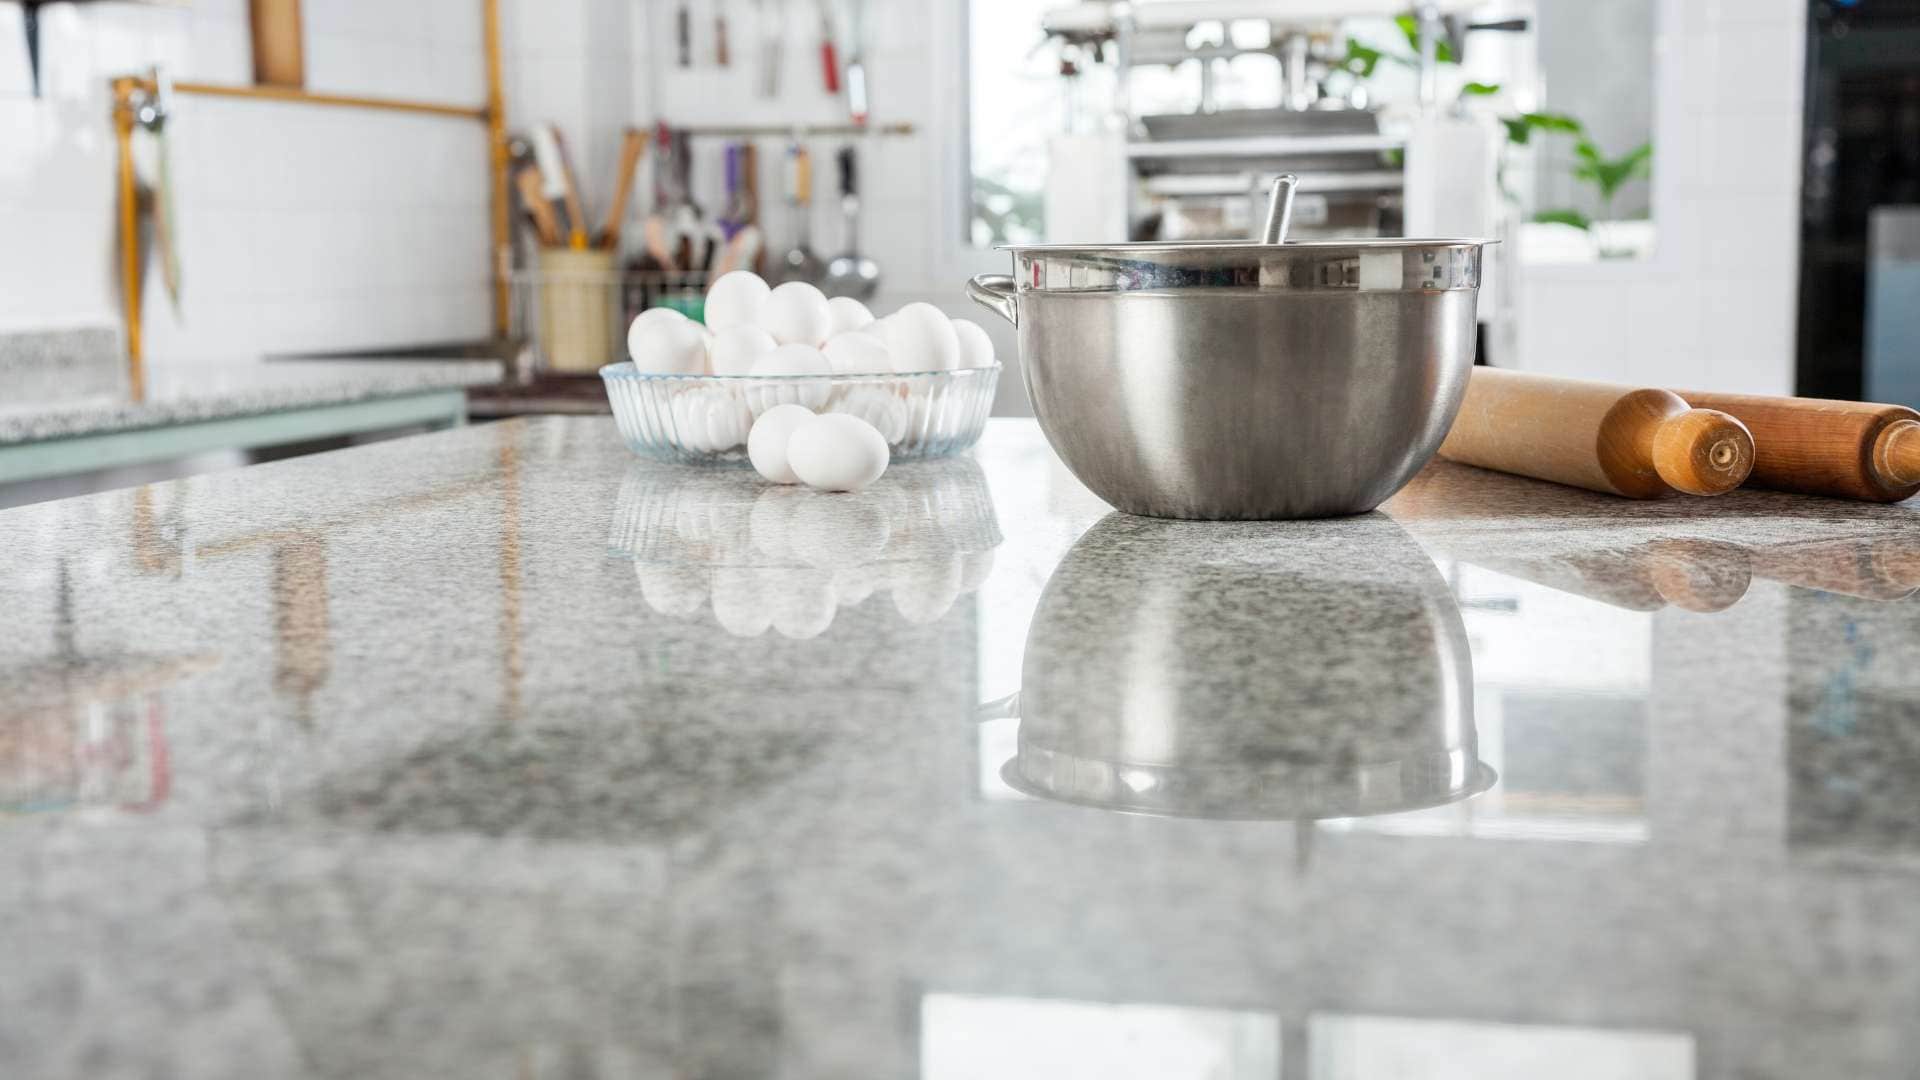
{"x": 995, "y": 292}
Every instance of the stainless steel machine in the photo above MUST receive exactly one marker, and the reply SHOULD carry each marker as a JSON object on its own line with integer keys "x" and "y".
{"x": 1202, "y": 174}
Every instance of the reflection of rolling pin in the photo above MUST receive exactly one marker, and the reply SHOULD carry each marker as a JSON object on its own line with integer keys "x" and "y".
{"x": 1873, "y": 568}
{"x": 1613, "y": 439}
{"x": 1847, "y": 449}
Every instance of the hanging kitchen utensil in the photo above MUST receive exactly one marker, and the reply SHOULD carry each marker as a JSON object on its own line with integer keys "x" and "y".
{"x": 683, "y": 34}
{"x": 800, "y": 263}
{"x": 770, "y": 26}
{"x": 654, "y": 230}
{"x": 150, "y": 113}
{"x": 829, "y": 55}
{"x": 688, "y": 232}
{"x": 851, "y": 273}
{"x": 720, "y": 54}
{"x": 857, "y": 90}
{"x": 733, "y": 213}
{"x": 756, "y": 258}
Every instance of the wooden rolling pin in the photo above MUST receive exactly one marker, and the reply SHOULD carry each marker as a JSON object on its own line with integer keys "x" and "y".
{"x": 1846, "y": 449}
{"x": 1639, "y": 443}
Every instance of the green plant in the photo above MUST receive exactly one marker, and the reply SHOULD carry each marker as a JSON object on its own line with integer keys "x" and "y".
{"x": 1610, "y": 175}
{"x": 1607, "y": 175}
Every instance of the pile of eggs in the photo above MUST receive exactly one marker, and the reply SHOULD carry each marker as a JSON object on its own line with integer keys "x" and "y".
{"x": 799, "y": 340}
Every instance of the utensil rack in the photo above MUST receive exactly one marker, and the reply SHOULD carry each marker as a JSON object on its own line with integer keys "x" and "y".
{"x": 132, "y": 93}
{"x": 781, "y": 131}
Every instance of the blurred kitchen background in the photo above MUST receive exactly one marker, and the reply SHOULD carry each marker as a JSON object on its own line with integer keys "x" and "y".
{"x": 1702, "y": 193}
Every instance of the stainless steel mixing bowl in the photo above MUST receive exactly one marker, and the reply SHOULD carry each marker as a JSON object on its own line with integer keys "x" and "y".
{"x": 1243, "y": 380}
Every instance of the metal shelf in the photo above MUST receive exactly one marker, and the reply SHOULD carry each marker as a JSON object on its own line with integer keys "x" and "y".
{"x": 1269, "y": 146}
{"x": 1311, "y": 183}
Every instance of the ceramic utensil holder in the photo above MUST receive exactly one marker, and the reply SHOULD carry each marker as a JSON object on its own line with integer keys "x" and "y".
{"x": 579, "y": 301}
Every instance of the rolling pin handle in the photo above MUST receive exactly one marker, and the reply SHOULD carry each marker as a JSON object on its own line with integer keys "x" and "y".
{"x": 1703, "y": 452}
{"x": 1896, "y": 453}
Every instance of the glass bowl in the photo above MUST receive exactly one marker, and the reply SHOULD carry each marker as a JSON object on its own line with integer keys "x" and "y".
{"x": 704, "y": 419}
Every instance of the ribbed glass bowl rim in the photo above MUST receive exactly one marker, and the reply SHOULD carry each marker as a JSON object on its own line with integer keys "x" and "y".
{"x": 625, "y": 370}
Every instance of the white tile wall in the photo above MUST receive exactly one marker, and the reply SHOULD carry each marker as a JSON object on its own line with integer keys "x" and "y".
{"x": 300, "y": 227}
{"x": 1715, "y": 306}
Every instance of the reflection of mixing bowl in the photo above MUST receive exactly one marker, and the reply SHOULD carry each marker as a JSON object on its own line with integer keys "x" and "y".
{"x": 1248, "y": 671}
{"x": 765, "y": 556}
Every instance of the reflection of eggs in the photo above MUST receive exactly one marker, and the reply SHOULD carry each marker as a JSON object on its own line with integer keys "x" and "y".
{"x": 738, "y": 604}
{"x": 662, "y": 341}
{"x": 852, "y": 584}
{"x": 837, "y": 532}
{"x": 736, "y": 349}
{"x": 837, "y": 452}
{"x": 974, "y": 568}
{"x": 771, "y": 522}
{"x": 735, "y": 299}
{"x": 678, "y": 591}
{"x": 802, "y": 602}
{"x": 925, "y": 589}
{"x": 922, "y": 338}
{"x": 797, "y": 314}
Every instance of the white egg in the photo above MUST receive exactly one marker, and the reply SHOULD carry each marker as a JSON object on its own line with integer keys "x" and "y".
{"x": 844, "y": 313}
{"x": 689, "y": 423}
{"x": 734, "y": 351}
{"x": 925, "y": 589}
{"x": 802, "y": 602}
{"x": 976, "y": 348}
{"x": 838, "y": 532}
{"x": 739, "y": 601}
{"x": 670, "y": 589}
{"x": 877, "y": 405}
{"x": 856, "y": 353}
{"x": 798, "y": 369}
{"x": 768, "y": 441}
{"x": 836, "y": 452}
{"x": 735, "y": 300}
{"x": 662, "y": 341}
{"x": 796, "y": 314}
{"x": 922, "y": 338}
{"x": 709, "y": 419}
{"x": 924, "y": 415}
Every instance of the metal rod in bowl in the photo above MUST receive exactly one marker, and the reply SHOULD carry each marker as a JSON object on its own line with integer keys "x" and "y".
{"x": 1279, "y": 209}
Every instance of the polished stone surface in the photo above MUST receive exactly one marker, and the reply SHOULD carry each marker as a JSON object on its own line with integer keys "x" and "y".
{"x": 499, "y": 753}
{"x": 47, "y": 401}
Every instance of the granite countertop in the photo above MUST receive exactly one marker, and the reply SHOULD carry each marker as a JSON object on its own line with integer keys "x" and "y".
{"x": 53, "y": 402}
{"x": 497, "y": 752}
